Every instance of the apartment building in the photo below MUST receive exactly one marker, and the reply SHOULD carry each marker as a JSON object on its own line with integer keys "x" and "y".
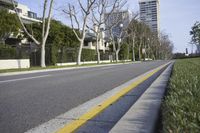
{"x": 24, "y": 11}
{"x": 117, "y": 20}
{"x": 27, "y": 17}
{"x": 150, "y": 13}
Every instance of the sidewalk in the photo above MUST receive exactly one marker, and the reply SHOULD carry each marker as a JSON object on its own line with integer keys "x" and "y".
{"x": 64, "y": 68}
{"x": 142, "y": 117}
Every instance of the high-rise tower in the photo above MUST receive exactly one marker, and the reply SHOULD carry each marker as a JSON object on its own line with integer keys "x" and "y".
{"x": 116, "y": 19}
{"x": 150, "y": 13}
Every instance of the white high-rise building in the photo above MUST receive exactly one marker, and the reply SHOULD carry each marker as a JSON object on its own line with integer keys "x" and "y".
{"x": 116, "y": 19}
{"x": 150, "y": 13}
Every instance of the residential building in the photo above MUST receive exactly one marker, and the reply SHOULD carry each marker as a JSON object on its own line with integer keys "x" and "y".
{"x": 23, "y": 46}
{"x": 115, "y": 20}
{"x": 25, "y": 13}
{"x": 150, "y": 13}
{"x": 90, "y": 41}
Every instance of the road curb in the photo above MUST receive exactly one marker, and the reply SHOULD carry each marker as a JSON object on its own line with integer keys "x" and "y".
{"x": 144, "y": 114}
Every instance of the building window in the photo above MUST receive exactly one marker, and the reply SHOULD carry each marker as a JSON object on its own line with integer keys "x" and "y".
{"x": 19, "y": 10}
{"x": 86, "y": 43}
{"x": 32, "y": 15}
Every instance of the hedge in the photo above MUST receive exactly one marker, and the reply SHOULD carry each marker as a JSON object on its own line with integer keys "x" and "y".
{"x": 7, "y": 52}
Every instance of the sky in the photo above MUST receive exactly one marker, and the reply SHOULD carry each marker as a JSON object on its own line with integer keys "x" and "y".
{"x": 176, "y": 17}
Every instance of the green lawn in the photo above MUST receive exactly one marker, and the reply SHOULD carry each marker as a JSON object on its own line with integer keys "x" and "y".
{"x": 181, "y": 108}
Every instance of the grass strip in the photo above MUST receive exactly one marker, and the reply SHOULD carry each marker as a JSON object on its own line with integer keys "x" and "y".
{"x": 181, "y": 107}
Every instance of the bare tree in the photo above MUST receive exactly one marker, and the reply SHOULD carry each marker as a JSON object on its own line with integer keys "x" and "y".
{"x": 118, "y": 22}
{"x": 79, "y": 23}
{"x": 45, "y": 27}
{"x": 140, "y": 35}
{"x": 153, "y": 45}
{"x": 98, "y": 19}
{"x": 120, "y": 38}
{"x": 142, "y": 29}
{"x": 132, "y": 32}
{"x": 166, "y": 47}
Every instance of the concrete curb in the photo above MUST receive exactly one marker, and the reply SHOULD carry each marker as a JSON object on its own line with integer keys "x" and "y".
{"x": 58, "y": 69}
{"x": 142, "y": 117}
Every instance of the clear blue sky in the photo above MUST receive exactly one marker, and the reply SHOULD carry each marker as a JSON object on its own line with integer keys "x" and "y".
{"x": 176, "y": 17}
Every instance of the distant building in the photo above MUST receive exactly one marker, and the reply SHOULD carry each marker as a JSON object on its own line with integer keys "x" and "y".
{"x": 90, "y": 42}
{"x": 149, "y": 13}
{"x": 116, "y": 19}
{"x": 25, "y": 13}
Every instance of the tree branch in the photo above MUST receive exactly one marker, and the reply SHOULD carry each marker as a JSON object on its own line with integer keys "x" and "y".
{"x": 49, "y": 19}
{"x": 43, "y": 18}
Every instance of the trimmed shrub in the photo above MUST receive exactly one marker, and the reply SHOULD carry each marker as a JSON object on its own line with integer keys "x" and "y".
{"x": 88, "y": 55}
{"x": 7, "y": 52}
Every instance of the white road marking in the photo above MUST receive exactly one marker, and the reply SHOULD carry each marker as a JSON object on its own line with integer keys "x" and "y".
{"x": 27, "y": 78}
{"x": 104, "y": 68}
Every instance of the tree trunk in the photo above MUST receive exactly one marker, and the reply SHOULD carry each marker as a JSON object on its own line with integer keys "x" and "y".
{"x": 133, "y": 53}
{"x": 139, "y": 51}
{"x": 42, "y": 61}
{"x": 117, "y": 55}
{"x": 97, "y": 50}
{"x": 128, "y": 50}
{"x": 198, "y": 48}
{"x": 133, "y": 49}
{"x": 149, "y": 51}
{"x": 114, "y": 49}
{"x": 80, "y": 52}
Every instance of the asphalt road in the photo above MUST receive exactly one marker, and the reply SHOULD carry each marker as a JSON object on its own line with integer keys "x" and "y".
{"x": 29, "y": 100}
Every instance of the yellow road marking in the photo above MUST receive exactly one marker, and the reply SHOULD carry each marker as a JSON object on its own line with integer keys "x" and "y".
{"x": 74, "y": 125}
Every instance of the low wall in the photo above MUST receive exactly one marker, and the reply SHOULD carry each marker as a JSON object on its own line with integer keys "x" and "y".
{"x": 13, "y": 63}
{"x": 86, "y": 62}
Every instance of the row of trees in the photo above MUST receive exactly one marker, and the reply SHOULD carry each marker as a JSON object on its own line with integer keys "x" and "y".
{"x": 89, "y": 15}
{"x": 93, "y": 18}
{"x": 147, "y": 44}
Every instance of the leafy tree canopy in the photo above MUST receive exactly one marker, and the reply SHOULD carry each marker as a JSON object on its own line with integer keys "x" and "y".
{"x": 9, "y": 24}
{"x": 195, "y": 32}
{"x": 59, "y": 34}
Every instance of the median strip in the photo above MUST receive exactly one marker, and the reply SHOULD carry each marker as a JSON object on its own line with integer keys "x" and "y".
{"x": 74, "y": 125}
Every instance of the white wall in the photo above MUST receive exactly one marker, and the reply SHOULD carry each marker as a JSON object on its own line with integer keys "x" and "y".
{"x": 86, "y": 62}
{"x": 10, "y": 64}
